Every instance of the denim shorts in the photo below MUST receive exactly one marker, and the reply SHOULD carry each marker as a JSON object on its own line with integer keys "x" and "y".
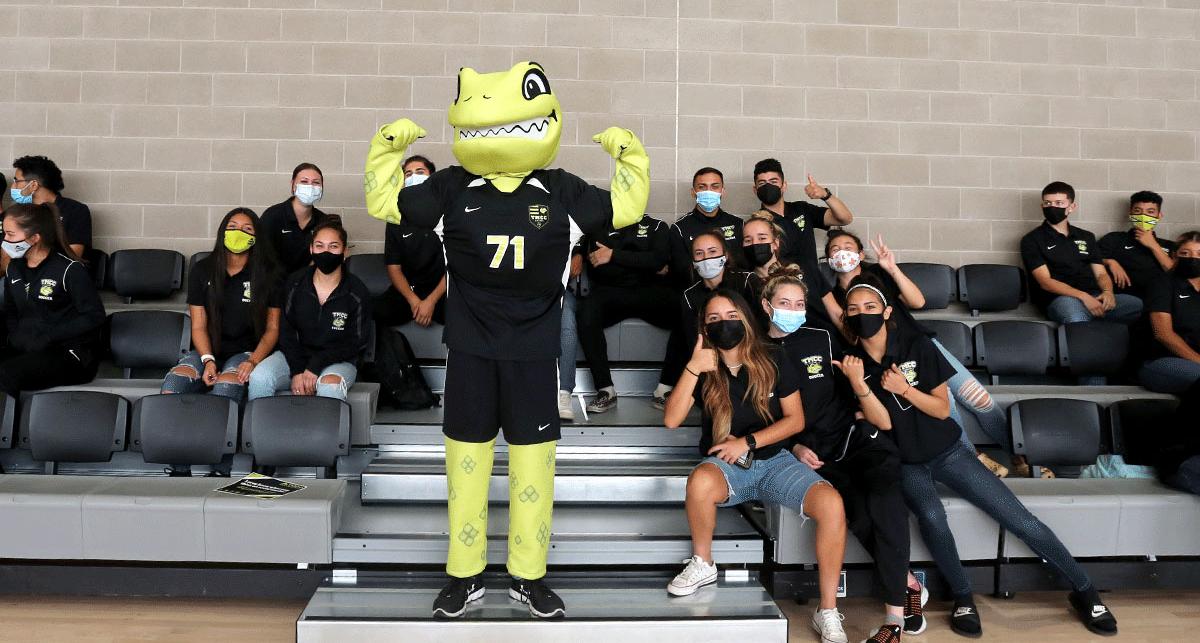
{"x": 778, "y": 480}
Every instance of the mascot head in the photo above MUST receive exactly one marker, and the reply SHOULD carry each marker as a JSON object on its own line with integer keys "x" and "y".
{"x": 507, "y": 122}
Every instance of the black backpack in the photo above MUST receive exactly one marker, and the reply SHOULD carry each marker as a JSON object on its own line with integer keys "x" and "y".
{"x": 404, "y": 387}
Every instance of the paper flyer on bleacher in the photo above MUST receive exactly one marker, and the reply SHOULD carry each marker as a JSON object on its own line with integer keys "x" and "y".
{"x": 262, "y": 487}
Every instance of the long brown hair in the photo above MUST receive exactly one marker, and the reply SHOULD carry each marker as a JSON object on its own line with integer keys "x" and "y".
{"x": 43, "y": 220}
{"x": 755, "y": 359}
{"x": 876, "y": 286}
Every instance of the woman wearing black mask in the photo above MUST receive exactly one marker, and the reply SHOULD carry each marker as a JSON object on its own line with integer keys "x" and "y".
{"x": 900, "y": 379}
{"x": 750, "y": 407}
{"x": 325, "y": 326}
{"x": 762, "y": 238}
{"x": 1174, "y": 305}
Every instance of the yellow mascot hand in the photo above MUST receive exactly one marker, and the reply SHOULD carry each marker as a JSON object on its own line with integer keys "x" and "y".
{"x": 382, "y": 178}
{"x": 630, "y": 188}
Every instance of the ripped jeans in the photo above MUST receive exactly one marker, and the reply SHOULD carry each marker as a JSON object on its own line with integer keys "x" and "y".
{"x": 180, "y": 383}
{"x": 273, "y": 375}
{"x": 968, "y": 392}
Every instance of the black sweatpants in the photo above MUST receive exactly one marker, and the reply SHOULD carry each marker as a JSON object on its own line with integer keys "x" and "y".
{"x": 390, "y": 309}
{"x": 36, "y": 370}
{"x": 608, "y": 305}
{"x": 868, "y": 478}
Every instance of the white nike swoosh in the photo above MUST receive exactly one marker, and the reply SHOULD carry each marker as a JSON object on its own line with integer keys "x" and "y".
{"x": 543, "y": 427}
{"x": 1129, "y": 247}
{"x": 1052, "y": 247}
{"x": 1181, "y": 296}
{"x": 407, "y": 235}
{"x": 17, "y": 281}
{"x": 613, "y": 234}
{"x": 875, "y": 434}
{"x": 285, "y": 231}
{"x": 963, "y": 611}
{"x": 1099, "y": 610}
{"x": 470, "y": 209}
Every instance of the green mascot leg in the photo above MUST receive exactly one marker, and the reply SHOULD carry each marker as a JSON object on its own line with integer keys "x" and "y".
{"x": 468, "y": 473}
{"x": 530, "y": 506}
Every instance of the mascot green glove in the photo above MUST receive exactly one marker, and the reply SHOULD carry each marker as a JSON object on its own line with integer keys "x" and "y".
{"x": 508, "y": 226}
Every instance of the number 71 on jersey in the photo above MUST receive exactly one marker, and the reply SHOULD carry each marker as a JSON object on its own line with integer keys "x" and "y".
{"x": 502, "y": 242}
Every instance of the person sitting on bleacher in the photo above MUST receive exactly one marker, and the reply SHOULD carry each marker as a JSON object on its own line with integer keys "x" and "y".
{"x": 847, "y": 451}
{"x": 1174, "y": 304}
{"x": 289, "y": 225}
{"x": 415, "y": 265}
{"x": 326, "y": 324}
{"x": 37, "y": 179}
{"x": 901, "y": 381}
{"x": 54, "y": 315}
{"x": 1137, "y": 257}
{"x": 234, "y": 299}
{"x": 762, "y": 242}
{"x": 847, "y": 258}
{"x": 750, "y": 408}
{"x": 708, "y": 187}
{"x": 1070, "y": 283}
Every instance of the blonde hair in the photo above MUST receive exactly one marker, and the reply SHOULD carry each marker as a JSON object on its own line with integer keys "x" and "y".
{"x": 780, "y": 276}
{"x": 767, "y": 217}
{"x": 759, "y": 368}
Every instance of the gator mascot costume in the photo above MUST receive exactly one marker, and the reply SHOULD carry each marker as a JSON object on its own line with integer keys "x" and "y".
{"x": 507, "y": 227}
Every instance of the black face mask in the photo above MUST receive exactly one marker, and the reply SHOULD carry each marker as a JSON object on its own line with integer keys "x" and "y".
{"x": 725, "y": 334}
{"x": 327, "y": 262}
{"x": 1187, "y": 267}
{"x": 1054, "y": 214}
{"x": 758, "y": 254}
{"x": 768, "y": 193}
{"x": 865, "y": 325}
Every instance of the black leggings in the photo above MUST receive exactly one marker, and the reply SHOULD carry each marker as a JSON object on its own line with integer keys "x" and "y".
{"x": 44, "y": 368}
{"x": 607, "y": 305}
{"x": 390, "y": 309}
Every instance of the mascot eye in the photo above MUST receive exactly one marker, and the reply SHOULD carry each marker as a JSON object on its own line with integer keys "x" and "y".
{"x": 534, "y": 84}
{"x": 458, "y": 88}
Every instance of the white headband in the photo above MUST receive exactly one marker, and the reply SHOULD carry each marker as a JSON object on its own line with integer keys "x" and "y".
{"x": 871, "y": 288}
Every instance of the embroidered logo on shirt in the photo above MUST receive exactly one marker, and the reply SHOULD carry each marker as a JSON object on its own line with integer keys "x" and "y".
{"x": 800, "y": 222}
{"x": 909, "y": 369}
{"x": 814, "y": 365}
{"x": 1129, "y": 247}
{"x": 539, "y": 216}
{"x": 47, "y": 289}
{"x": 643, "y": 231}
{"x": 1052, "y": 247}
{"x": 1082, "y": 245}
{"x": 339, "y": 320}
{"x": 245, "y": 292}
{"x": 727, "y": 231}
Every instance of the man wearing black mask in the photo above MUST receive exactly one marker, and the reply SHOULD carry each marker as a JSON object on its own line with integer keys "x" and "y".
{"x": 1070, "y": 282}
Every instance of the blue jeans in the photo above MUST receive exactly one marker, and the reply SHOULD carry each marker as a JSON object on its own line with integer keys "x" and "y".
{"x": 273, "y": 375}
{"x": 967, "y": 391}
{"x": 1069, "y": 310}
{"x": 176, "y": 383}
{"x": 570, "y": 344}
{"x": 779, "y": 480}
{"x": 958, "y": 468}
{"x": 1169, "y": 374}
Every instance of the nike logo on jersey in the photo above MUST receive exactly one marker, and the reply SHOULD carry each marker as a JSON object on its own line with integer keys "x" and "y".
{"x": 285, "y": 231}
{"x": 1129, "y": 247}
{"x": 407, "y": 235}
{"x": 17, "y": 281}
{"x": 470, "y": 209}
{"x": 613, "y": 234}
{"x": 1181, "y": 296}
{"x": 1052, "y": 247}
{"x": 543, "y": 427}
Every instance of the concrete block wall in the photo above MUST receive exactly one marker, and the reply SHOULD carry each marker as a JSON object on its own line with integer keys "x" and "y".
{"x": 937, "y": 120}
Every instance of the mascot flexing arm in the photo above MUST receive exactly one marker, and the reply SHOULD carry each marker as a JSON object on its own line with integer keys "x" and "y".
{"x": 508, "y": 226}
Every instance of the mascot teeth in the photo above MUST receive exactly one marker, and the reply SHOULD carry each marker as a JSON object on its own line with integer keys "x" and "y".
{"x": 534, "y": 128}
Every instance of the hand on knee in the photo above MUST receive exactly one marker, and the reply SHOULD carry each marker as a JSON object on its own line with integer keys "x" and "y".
{"x": 228, "y": 378}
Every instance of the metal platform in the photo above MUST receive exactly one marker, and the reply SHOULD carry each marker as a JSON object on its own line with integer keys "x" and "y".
{"x": 631, "y": 609}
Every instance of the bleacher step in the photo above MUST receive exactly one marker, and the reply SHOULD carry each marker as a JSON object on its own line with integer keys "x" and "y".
{"x": 630, "y": 609}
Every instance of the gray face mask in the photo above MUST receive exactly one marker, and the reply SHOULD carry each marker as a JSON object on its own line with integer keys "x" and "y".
{"x": 15, "y": 249}
{"x": 710, "y": 268}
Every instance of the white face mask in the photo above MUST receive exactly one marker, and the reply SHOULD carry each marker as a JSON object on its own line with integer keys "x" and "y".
{"x": 308, "y": 194}
{"x": 15, "y": 249}
{"x": 415, "y": 179}
{"x": 844, "y": 260}
{"x": 710, "y": 268}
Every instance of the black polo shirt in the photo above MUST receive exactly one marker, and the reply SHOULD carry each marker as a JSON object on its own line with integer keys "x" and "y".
{"x": 799, "y": 221}
{"x": 238, "y": 334}
{"x": 920, "y": 437}
{"x": 418, "y": 252}
{"x": 690, "y": 226}
{"x": 76, "y": 221}
{"x": 1069, "y": 258}
{"x": 828, "y": 402}
{"x": 891, "y": 290}
{"x": 696, "y": 296}
{"x": 639, "y": 252}
{"x": 1137, "y": 260}
{"x": 745, "y": 418}
{"x": 1175, "y": 296}
{"x": 289, "y": 241}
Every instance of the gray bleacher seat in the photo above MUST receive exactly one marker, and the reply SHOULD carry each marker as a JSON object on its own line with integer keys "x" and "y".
{"x": 1012, "y": 347}
{"x": 145, "y": 273}
{"x": 1084, "y": 515}
{"x": 96, "y": 261}
{"x": 297, "y": 528}
{"x": 184, "y": 429}
{"x": 372, "y": 270}
{"x": 147, "y": 518}
{"x": 296, "y": 431}
{"x": 73, "y": 426}
{"x": 148, "y": 339}
{"x": 936, "y": 281}
{"x": 8, "y": 420}
{"x": 1060, "y": 434}
{"x": 990, "y": 287}
{"x": 955, "y": 336}
{"x": 1137, "y": 425}
{"x": 43, "y": 515}
{"x": 1093, "y": 348}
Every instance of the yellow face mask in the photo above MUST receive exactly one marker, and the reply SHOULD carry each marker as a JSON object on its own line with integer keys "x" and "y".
{"x": 238, "y": 241}
{"x": 1143, "y": 222}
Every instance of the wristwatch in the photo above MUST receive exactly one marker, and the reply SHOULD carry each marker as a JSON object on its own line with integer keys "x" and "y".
{"x": 828, "y": 195}
{"x": 751, "y": 442}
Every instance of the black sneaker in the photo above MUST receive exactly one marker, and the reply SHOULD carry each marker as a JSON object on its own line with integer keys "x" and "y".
{"x": 603, "y": 402}
{"x": 542, "y": 601}
{"x": 1091, "y": 610}
{"x": 964, "y": 620}
{"x": 453, "y": 600}
{"x": 914, "y": 604}
{"x": 885, "y": 634}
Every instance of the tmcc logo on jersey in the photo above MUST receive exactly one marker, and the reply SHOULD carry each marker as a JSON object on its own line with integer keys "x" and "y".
{"x": 909, "y": 369}
{"x": 1082, "y": 245}
{"x": 539, "y": 216}
{"x": 47, "y": 289}
{"x": 339, "y": 320}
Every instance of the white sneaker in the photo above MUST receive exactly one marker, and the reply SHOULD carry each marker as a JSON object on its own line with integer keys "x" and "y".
{"x": 565, "y": 412}
{"x": 696, "y": 575}
{"x": 828, "y": 623}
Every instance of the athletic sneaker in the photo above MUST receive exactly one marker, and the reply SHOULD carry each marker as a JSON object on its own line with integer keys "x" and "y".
{"x": 455, "y": 596}
{"x": 885, "y": 634}
{"x": 695, "y": 575}
{"x": 542, "y": 601}
{"x": 828, "y": 623}
{"x": 659, "y": 402}
{"x": 565, "y": 412}
{"x": 603, "y": 402}
{"x": 964, "y": 620}
{"x": 997, "y": 469}
{"x": 1091, "y": 610}
{"x": 914, "y": 604}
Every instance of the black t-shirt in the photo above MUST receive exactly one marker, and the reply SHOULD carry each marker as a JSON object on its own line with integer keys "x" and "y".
{"x": 418, "y": 252}
{"x": 506, "y": 255}
{"x": 696, "y": 296}
{"x": 828, "y": 402}
{"x": 289, "y": 241}
{"x": 237, "y": 309}
{"x": 891, "y": 290}
{"x": 692, "y": 225}
{"x": 1175, "y": 295}
{"x": 76, "y": 221}
{"x": 639, "y": 253}
{"x": 1137, "y": 260}
{"x": 745, "y": 418}
{"x": 799, "y": 246}
{"x": 1069, "y": 259}
{"x": 920, "y": 437}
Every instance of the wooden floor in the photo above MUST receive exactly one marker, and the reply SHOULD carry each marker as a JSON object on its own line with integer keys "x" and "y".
{"x": 1040, "y": 617}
